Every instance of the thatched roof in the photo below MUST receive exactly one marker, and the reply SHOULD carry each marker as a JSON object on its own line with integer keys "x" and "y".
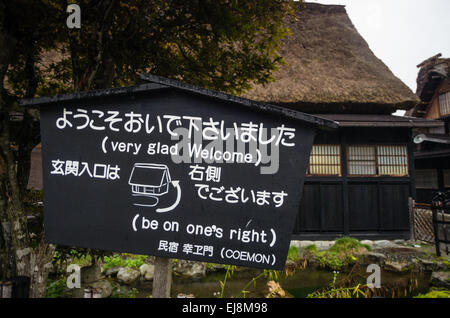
{"x": 330, "y": 68}
{"x": 432, "y": 72}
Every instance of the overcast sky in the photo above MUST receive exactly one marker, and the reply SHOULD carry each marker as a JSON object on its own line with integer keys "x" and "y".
{"x": 402, "y": 33}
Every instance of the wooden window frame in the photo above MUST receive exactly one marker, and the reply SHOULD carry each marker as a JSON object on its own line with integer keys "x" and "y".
{"x": 447, "y": 98}
{"x": 428, "y": 188}
{"x": 348, "y": 161}
{"x": 406, "y": 157}
{"x": 308, "y": 174}
{"x": 377, "y": 173}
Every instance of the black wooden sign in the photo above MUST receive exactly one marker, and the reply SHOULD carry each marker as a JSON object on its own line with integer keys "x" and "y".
{"x": 174, "y": 171}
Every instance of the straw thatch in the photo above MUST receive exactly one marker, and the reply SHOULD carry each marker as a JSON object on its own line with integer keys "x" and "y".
{"x": 330, "y": 68}
{"x": 433, "y": 71}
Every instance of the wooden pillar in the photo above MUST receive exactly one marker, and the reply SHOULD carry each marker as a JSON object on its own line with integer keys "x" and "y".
{"x": 162, "y": 280}
{"x": 6, "y": 291}
{"x": 411, "y": 207}
{"x": 345, "y": 194}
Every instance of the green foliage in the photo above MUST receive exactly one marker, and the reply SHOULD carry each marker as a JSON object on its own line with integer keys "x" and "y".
{"x": 345, "y": 244}
{"x": 64, "y": 256}
{"x": 435, "y": 294}
{"x": 223, "y": 45}
{"x": 347, "y": 292}
{"x": 329, "y": 260}
{"x": 311, "y": 248}
{"x": 124, "y": 292}
{"x": 55, "y": 287}
{"x": 83, "y": 260}
{"x": 342, "y": 253}
{"x": 334, "y": 291}
{"x": 268, "y": 274}
{"x": 293, "y": 253}
{"x": 124, "y": 260}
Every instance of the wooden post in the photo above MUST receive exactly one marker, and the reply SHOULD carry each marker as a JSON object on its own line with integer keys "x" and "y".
{"x": 411, "y": 208}
{"x": 162, "y": 280}
{"x": 88, "y": 292}
{"x": 7, "y": 289}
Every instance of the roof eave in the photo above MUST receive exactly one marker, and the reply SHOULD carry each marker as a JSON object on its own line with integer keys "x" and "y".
{"x": 265, "y": 107}
{"x": 41, "y": 101}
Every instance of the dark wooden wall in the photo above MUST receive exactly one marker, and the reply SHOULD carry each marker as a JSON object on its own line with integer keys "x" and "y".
{"x": 440, "y": 164}
{"x": 363, "y": 207}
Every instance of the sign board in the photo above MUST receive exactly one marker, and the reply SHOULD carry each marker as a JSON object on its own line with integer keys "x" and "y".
{"x": 174, "y": 173}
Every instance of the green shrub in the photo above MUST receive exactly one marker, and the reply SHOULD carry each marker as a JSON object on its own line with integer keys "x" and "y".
{"x": 55, "y": 287}
{"x": 339, "y": 255}
{"x": 293, "y": 253}
{"x": 345, "y": 244}
{"x": 83, "y": 260}
{"x": 329, "y": 260}
{"x": 124, "y": 260}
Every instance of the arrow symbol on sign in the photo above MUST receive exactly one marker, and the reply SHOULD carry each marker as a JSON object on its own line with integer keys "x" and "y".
{"x": 176, "y": 184}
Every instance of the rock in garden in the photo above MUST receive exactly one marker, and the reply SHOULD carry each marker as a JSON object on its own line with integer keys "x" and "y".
{"x": 441, "y": 279}
{"x": 367, "y": 242}
{"x": 382, "y": 243}
{"x": 105, "y": 287}
{"x": 112, "y": 272}
{"x": 190, "y": 269}
{"x": 324, "y": 245}
{"x": 127, "y": 275}
{"x": 304, "y": 244}
{"x": 90, "y": 274}
{"x": 373, "y": 258}
{"x": 394, "y": 266}
{"x": 147, "y": 271}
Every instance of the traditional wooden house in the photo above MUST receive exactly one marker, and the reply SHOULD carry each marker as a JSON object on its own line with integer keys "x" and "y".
{"x": 361, "y": 176}
{"x": 432, "y": 149}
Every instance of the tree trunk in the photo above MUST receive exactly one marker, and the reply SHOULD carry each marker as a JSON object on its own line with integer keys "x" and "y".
{"x": 41, "y": 261}
{"x": 17, "y": 255}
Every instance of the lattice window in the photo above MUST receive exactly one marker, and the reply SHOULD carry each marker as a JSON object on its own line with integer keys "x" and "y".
{"x": 426, "y": 179}
{"x": 325, "y": 160}
{"x": 377, "y": 160}
{"x": 392, "y": 160}
{"x": 444, "y": 104}
{"x": 362, "y": 160}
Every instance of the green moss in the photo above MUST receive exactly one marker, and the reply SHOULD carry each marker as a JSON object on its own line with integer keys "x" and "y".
{"x": 345, "y": 244}
{"x": 446, "y": 263}
{"x": 341, "y": 254}
{"x": 435, "y": 294}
